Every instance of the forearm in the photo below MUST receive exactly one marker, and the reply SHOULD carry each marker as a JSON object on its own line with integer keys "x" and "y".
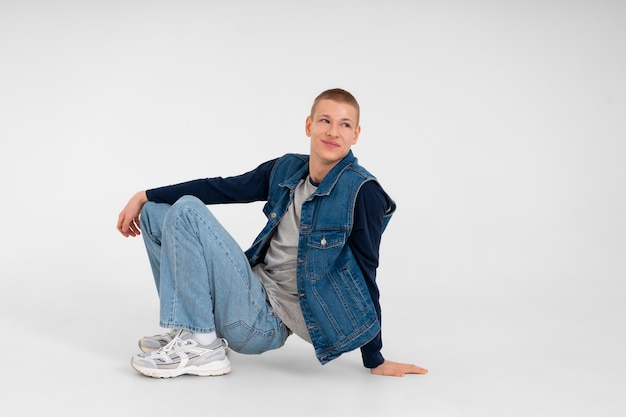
{"x": 245, "y": 188}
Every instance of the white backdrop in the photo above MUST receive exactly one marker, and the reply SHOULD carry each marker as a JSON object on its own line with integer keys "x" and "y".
{"x": 497, "y": 126}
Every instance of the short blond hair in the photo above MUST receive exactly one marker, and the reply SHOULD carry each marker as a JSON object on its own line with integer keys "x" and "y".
{"x": 341, "y": 96}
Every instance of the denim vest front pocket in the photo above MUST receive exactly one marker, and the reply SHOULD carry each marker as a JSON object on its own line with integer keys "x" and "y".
{"x": 323, "y": 248}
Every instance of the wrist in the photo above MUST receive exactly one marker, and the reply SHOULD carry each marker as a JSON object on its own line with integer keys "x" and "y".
{"x": 141, "y": 197}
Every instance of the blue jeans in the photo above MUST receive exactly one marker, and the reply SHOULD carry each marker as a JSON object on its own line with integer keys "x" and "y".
{"x": 204, "y": 279}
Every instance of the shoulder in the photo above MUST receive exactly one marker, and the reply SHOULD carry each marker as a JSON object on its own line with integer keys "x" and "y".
{"x": 371, "y": 192}
{"x": 294, "y": 158}
{"x": 373, "y": 198}
{"x": 359, "y": 169}
{"x": 291, "y": 161}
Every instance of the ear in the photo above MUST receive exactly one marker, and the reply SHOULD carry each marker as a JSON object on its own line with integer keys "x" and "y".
{"x": 357, "y": 132}
{"x": 307, "y": 126}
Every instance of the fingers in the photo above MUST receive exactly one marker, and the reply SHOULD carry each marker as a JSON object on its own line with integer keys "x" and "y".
{"x": 128, "y": 219}
{"x": 390, "y": 368}
{"x": 414, "y": 369}
{"x": 128, "y": 227}
{"x": 133, "y": 228}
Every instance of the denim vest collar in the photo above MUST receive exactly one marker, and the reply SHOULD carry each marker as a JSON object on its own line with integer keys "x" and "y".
{"x": 329, "y": 181}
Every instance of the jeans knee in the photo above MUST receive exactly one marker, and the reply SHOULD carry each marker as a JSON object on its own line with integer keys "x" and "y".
{"x": 186, "y": 207}
{"x": 188, "y": 201}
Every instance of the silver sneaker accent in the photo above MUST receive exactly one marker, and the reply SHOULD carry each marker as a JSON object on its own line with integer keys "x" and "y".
{"x": 156, "y": 342}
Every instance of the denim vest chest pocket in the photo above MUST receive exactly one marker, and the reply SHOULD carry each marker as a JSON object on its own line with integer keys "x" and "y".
{"x": 323, "y": 248}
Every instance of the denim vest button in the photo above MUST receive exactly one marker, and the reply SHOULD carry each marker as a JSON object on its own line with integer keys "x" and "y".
{"x": 273, "y": 215}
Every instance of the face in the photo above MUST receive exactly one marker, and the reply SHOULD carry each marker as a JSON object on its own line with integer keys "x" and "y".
{"x": 333, "y": 130}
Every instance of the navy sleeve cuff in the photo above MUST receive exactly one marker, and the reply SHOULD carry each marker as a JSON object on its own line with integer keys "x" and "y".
{"x": 372, "y": 357}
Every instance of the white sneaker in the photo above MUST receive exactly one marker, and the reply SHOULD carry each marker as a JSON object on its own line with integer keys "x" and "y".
{"x": 180, "y": 357}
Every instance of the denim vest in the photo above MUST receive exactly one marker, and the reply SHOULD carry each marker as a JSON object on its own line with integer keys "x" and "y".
{"x": 334, "y": 298}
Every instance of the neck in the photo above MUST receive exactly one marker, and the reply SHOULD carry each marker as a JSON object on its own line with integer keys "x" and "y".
{"x": 318, "y": 171}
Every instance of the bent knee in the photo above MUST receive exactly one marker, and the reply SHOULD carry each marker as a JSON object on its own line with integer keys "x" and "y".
{"x": 188, "y": 201}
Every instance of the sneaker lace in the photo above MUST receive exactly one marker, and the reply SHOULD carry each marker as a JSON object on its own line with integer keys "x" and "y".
{"x": 178, "y": 342}
{"x": 173, "y": 344}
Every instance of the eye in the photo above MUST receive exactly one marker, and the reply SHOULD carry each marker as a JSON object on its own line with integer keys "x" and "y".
{"x": 346, "y": 125}
{"x": 324, "y": 121}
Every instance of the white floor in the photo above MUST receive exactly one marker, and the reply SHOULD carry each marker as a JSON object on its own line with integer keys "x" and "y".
{"x": 67, "y": 340}
{"x": 497, "y": 126}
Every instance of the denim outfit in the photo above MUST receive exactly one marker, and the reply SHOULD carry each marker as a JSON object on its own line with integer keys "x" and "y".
{"x": 204, "y": 280}
{"x": 206, "y": 283}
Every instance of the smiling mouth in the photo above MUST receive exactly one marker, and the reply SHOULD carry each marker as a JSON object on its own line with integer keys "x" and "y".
{"x": 330, "y": 144}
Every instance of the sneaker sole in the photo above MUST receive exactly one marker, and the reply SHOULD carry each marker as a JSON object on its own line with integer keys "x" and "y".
{"x": 217, "y": 368}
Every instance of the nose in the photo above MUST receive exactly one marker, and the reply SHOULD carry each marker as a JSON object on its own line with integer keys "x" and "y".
{"x": 333, "y": 131}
